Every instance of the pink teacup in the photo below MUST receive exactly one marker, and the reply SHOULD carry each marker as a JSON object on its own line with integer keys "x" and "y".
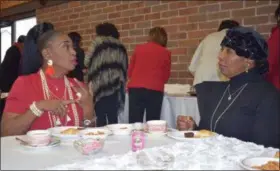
{"x": 157, "y": 126}
{"x": 38, "y": 137}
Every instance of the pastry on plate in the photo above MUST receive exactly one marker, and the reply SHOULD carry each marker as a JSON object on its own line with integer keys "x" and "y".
{"x": 204, "y": 133}
{"x": 70, "y": 131}
{"x": 277, "y": 155}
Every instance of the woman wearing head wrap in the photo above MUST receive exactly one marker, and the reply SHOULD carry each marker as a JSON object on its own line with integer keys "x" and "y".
{"x": 273, "y": 42}
{"x": 247, "y": 107}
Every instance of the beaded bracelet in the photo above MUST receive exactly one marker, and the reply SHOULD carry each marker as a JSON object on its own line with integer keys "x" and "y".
{"x": 37, "y": 112}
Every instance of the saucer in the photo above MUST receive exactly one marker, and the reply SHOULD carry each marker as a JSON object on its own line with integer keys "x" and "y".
{"x": 54, "y": 142}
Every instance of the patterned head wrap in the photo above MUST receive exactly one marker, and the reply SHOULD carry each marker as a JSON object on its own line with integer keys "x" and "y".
{"x": 249, "y": 44}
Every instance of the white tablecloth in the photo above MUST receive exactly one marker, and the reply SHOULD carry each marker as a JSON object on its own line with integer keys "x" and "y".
{"x": 172, "y": 106}
{"x": 213, "y": 153}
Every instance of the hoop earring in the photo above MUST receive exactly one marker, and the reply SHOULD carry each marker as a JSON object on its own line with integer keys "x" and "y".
{"x": 50, "y": 70}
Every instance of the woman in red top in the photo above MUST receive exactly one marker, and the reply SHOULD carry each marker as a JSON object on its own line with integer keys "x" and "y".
{"x": 273, "y": 75}
{"x": 148, "y": 71}
{"x": 47, "y": 98}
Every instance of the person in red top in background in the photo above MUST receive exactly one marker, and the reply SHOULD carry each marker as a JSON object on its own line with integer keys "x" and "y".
{"x": 47, "y": 98}
{"x": 148, "y": 71}
{"x": 273, "y": 75}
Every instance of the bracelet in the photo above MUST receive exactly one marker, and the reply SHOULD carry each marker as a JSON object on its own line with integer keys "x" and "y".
{"x": 37, "y": 112}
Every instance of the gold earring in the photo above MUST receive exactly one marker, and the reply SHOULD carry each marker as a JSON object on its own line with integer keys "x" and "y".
{"x": 246, "y": 68}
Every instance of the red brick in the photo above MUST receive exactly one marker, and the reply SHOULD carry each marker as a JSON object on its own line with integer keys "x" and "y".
{"x": 121, "y": 20}
{"x": 188, "y": 11}
{"x": 243, "y": 12}
{"x": 176, "y": 36}
{"x": 63, "y": 18}
{"x": 173, "y": 74}
{"x": 188, "y": 27}
{"x": 177, "y": 5}
{"x": 144, "y": 10}
{"x": 178, "y": 67}
{"x": 219, "y": 15}
{"x": 141, "y": 39}
{"x": 152, "y": 3}
{"x": 231, "y": 5}
{"x": 176, "y": 20}
{"x": 79, "y": 9}
{"x": 184, "y": 59}
{"x": 275, "y": 2}
{"x": 99, "y": 17}
{"x": 114, "y": 15}
{"x": 266, "y": 10}
{"x": 256, "y": 20}
{"x": 127, "y": 26}
{"x": 172, "y": 44}
{"x": 109, "y": 9}
{"x": 124, "y": 33}
{"x": 89, "y": 7}
{"x": 85, "y": 14}
{"x": 265, "y": 28}
{"x": 136, "y": 32}
{"x": 133, "y": 4}
{"x": 161, "y": 22}
{"x": 196, "y": 34}
{"x": 128, "y": 40}
{"x": 137, "y": 18}
{"x": 209, "y": 25}
{"x": 197, "y": 18}
{"x": 209, "y": 8}
{"x": 179, "y": 51}
{"x": 171, "y": 28}
{"x": 85, "y": 26}
{"x": 189, "y": 43}
{"x": 159, "y": 8}
{"x": 128, "y": 13}
{"x": 101, "y": 4}
{"x": 144, "y": 24}
{"x": 112, "y": 3}
{"x": 122, "y": 7}
{"x": 74, "y": 16}
{"x": 256, "y": 3}
{"x": 167, "y": 14}
{"x": 196, "y": 3}
{"x": 63, "y": 6}
{"x": 184, "y": 74}
{"x": 96, "y": 11}
{"x": 152, "y": 16}
{"x": 174, "y": 59}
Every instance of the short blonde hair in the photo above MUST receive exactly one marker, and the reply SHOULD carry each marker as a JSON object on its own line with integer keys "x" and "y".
{"x": 158, "y": 35}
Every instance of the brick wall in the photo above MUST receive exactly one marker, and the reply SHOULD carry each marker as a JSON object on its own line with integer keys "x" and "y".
{"x": 187, "y": 22}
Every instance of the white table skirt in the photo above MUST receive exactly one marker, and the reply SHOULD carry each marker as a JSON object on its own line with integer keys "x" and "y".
{"x": 220, "y": 153}
{"x": 172, "y": 106}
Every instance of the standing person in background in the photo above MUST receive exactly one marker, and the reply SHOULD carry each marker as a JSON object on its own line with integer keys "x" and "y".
{"x": 204, "y": 64}
{"x": 79, "y": 70}
{"x": 273, "y": 42}
{"x": 9, "y": 69}
{"x": 107, "y": 64}
{"x": 149, "y": 70}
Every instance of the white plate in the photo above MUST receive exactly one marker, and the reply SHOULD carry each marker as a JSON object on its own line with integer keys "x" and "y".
{"x": 54, "y": 142}
{"x": 248, "y": 163}
{"x": 56, "y": 131}
{"x": 116, "y": 129}
{"x": 169, "y": 130}
{"x": 83, "y": 133}
{"x": 179, "y": 135}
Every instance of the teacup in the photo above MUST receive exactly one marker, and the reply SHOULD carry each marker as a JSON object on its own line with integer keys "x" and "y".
{"x": 157, "y": 126}
{"x": 88, "y": 146}
{"x": 38, "y": 137}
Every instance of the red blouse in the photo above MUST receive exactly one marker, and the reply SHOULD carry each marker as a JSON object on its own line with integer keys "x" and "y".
{"x": 149, "y": 67}
{"x": 27, "y": 89}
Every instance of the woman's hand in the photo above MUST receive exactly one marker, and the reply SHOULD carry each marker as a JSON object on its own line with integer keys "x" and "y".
{"x": 58, "y": 107}
{"x": 185, "y": 123}
{"x": 85, "y": 99}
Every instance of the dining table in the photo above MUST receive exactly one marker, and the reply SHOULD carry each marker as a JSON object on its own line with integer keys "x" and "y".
{"x": 160, "y": 152}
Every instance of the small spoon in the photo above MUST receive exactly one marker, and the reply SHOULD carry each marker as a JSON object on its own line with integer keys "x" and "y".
{"x": 24, "y": 142}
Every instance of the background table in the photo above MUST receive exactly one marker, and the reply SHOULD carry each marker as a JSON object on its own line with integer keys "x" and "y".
{"x": 172, "y": 106}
